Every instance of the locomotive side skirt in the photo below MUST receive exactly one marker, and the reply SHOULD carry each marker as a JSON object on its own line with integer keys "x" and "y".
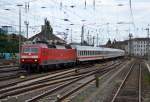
{"x": 48, "y": 62}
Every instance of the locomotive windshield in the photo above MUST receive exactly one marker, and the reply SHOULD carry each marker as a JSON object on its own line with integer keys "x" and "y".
{"x": 30, "y": 50}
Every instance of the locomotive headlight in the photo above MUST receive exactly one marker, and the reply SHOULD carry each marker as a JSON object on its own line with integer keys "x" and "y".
{"x": 35, "y": 60}
{"x": 22, "y": 60}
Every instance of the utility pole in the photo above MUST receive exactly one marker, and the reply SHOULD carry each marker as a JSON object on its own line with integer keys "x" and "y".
{"x": 71, "y": 35}
{"x": 88, "y": 38}
{"x": 66, "y": 34}
{"x": 97, "y": 39}
{"x": 93, "y": 40}
{"x": 147, "y": 29}
{"x": 130, "y": 44}
{"x": 27, "y": 27}
{"x": 94, "y": 4}
{"x": 82, "y": 35}
{"x": 26, "y": 22}
{"x": 19, "y": 5}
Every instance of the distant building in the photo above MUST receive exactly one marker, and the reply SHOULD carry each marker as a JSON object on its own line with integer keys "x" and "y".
{"x": 8, "y": 29}
{"x": 2, "y": 31}
{"x": 139, "y": 46}
{"x": 109, "y": 44}
{"x": 46, "y": 35}
{"x": 118, "y": 44}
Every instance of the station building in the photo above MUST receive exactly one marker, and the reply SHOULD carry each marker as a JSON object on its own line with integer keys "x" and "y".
{"x": 138, "y": 47}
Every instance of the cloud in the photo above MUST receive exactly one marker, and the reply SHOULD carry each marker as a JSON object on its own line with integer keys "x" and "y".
{"x": 104, "y": 12}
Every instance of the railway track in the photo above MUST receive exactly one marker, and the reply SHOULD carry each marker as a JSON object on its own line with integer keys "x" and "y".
{"x": 54, "y": 79}
{"x": 11, "y": 77}
{"x": 8, "y": 66}
{"x": 13, "y": 72}
{"x": 73, "y": 86}
{"x": 130, "y": 88}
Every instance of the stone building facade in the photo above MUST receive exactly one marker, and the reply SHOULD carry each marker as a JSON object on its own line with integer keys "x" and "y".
{"x": 139, "y": 47}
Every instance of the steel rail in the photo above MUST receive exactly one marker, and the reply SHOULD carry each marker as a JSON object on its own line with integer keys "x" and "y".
{"x": 8, "y": 66}
{"x": 123, "y": 82}
{"x": 52, "y": 77}
{"x": 140, "y": 88}
{"x": 32, "y": 81}
{"x": 36, "y": 86}
{"x": 33, "y": 99}
{"x": 82, "y": 85}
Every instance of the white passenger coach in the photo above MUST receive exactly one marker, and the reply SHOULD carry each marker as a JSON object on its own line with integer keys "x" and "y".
{"x": 87, "y": 53}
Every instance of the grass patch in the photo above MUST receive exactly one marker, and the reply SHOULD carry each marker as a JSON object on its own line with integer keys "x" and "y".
{"x": 147, "y": 78}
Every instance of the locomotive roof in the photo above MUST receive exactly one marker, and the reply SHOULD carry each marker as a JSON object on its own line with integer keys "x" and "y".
{"x": 78, "y": 47}
{"x": 36, "y": 45}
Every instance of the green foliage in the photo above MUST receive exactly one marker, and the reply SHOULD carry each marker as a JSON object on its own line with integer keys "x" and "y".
{"x": 147, "y": 78}
{"x": 8, "y": 46}
{"x": 49, "y": 29}
{"x": 3, "y": 37}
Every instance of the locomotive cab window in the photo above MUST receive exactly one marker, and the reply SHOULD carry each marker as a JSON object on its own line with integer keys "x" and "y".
{"x": 34, "y": 50}
{"x": 30, "y": 50}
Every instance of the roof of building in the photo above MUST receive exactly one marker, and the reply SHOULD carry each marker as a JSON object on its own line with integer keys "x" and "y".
{"x": 41, "y": 36}
{"x": 46, "y": 34}
{"x": 141, "y": 39}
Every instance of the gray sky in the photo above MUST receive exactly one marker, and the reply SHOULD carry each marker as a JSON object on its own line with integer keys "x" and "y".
{"x": 102, "y": 20}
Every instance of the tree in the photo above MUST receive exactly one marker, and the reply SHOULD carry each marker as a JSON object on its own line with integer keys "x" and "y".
{"x": 48, "y": 30}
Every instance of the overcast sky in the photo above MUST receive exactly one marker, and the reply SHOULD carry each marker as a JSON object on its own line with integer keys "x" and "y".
{"x": 101, "y": 19}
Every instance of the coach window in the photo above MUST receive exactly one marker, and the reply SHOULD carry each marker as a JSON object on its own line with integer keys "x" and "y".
{"x": 80, "y": 53}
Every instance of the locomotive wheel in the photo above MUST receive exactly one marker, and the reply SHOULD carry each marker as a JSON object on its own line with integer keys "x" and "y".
{"x": 38, "y": 69}
{"x": 28, "y": 68}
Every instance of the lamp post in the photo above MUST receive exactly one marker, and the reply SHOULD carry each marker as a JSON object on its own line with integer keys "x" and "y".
{"x": 27, "y": 28}
{"x": 8, "y": 37}
{"x": 19, "y": 5}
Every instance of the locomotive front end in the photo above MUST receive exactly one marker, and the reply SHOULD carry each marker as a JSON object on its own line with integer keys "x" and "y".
{"x": 30, "y": 57}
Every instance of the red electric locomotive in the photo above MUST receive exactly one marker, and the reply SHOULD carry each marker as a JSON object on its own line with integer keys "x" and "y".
{"x": 39, "y": 56}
